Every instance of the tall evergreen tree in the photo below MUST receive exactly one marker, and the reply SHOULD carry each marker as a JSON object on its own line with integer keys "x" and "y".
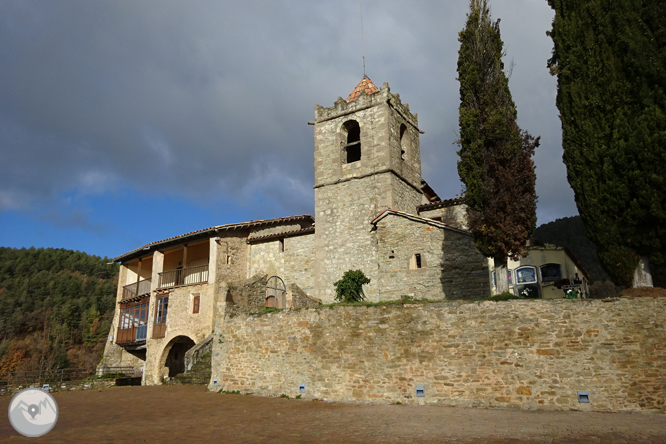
{"x": 495, "y": 156}
{"x": 610, "y": 61}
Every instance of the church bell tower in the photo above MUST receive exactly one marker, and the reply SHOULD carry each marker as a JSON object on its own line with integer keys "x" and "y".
{"x": 366, "y": 159}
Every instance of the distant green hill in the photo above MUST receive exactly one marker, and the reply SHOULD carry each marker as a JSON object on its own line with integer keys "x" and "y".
{"x": 56, "y": 308}
{"x": 570, "y": 232}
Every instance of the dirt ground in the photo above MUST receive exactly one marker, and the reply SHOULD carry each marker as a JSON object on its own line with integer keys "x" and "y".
{"x": 190, "y": 414}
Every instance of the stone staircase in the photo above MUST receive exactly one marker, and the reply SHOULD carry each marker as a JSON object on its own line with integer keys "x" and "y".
{"x": 198, "y": 374}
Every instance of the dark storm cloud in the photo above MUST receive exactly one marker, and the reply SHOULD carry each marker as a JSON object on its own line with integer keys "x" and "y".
{"x": 210, "y": 98}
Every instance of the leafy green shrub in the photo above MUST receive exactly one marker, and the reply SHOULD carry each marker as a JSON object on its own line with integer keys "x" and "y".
{"x": 350, "y": 287}
{"x": 113, "y": 375}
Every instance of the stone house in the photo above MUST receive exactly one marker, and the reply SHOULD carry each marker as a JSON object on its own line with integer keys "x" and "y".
{"x": 373, "y": 210}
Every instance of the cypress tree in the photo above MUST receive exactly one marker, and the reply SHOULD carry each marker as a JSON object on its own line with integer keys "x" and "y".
{"x": 495, "y": 163}
{"x": 610, "y": 61}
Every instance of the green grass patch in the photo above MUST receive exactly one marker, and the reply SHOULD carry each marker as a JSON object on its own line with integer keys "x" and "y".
{"x": 506, "y": 296}
{"x": 112, "y": 375}
{"x": 267, "y": 310}
{"x": 233, "y": 392}
{"x": 403, "y": 300}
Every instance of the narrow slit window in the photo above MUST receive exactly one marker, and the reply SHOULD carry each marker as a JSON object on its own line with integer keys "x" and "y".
{"x": 281, "y": 246}
{"x": 416, "y": 262}
{"x": 195, "y": 304}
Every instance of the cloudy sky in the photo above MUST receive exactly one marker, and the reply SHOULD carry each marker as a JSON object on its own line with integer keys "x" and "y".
{"x": 123, "y": 122}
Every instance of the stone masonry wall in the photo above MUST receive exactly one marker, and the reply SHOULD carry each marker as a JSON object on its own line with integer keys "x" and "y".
{"x": 181, "y": 321}
{"x": 454, "y": 215}
{"x": 452, "y": 268}
{"x": 532, "y": 354}
{"x": 295, "y": 265}
{"x": 301, "y": 300}
{"x": 248, "y": 296}
{"x": 405, "y": 198}
{"x": 343, "y": 237}
{"x": 299, "y": 260}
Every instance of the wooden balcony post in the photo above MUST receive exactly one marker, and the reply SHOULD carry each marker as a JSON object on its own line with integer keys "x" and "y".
{"x": 138, "y": 278}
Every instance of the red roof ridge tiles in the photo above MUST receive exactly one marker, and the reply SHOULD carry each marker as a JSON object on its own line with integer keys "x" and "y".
{"x": 225, "y": 227}
{"x": 416, "y": 218}
{"x": 282, "y": 234}
{"x": 365, "y": 85}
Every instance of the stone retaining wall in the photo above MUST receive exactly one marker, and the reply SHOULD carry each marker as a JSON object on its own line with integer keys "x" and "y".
{"x": 532, "y": 354}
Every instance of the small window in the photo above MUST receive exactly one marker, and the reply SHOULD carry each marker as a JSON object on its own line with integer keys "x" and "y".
{"x": 195, "y": 304}
{"x": 551, "y": 273}
{"x": 526, "y": 275}
{"x": 494, "y": 280}
{"x": 281, "y": 246}
{"x": 403, "y": 141}
{"x": 352, "y": 144}
{"x": 416, "y": 262}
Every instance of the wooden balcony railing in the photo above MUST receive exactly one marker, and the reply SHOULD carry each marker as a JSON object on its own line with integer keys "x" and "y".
{"x": 184, "y": 276}
{"x": 132, "y": 290}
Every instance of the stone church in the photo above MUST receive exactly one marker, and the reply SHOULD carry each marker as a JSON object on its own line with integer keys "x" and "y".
{"x": 373, "y": 211}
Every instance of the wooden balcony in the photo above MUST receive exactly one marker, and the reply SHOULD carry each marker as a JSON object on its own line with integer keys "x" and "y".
{"x": 184, "y": 276}
{"x": 136, "y": 289}
{"x": 131, "y": 335}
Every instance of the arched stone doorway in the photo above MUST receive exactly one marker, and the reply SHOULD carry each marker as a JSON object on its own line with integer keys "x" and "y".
{"x": 175, "y": 354}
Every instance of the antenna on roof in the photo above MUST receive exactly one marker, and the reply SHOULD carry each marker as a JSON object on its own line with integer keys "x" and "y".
{"x": 362, "y": 42}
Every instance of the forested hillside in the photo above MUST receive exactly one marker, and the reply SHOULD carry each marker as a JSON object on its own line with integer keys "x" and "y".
{"x": 56, "y": 308}
{"x": 570, "y": 232}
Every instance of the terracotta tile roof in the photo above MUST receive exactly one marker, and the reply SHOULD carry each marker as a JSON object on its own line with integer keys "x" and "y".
{"x": 364, "y": 85}
{"x": 226, "y": 227}
{"x": 429, "y": 192}
{"x": 415, "y": 218}
{"x": 441, "y": 204}
{"x": 291, "y": 233}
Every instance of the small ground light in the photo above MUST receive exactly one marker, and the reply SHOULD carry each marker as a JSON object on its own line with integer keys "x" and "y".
{"x": 584, "y": 397}
{"x": 301, "y": 388}
{"x": 46, "y": 387}
{"x": 420, "y": 392}
{"x": 214, "y": 382}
